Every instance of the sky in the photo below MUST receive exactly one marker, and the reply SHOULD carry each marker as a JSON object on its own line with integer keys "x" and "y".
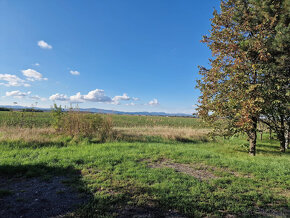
{"x": 127, "y": 55}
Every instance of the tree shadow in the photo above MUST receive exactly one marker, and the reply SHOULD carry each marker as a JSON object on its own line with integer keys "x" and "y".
{"x": 158, "y": 139}
{"x": 266, "y": 149}
{"x": 41, "y": 191}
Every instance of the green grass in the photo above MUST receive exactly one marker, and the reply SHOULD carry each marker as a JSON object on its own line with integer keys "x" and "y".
{"x": 25, "y": 119}
{"x": 30, "y": 119}
{"x": 114, "y": 175}
{"x": 141, "y": 121}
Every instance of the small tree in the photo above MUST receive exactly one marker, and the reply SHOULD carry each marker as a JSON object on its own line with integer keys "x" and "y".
{"x": 57, "y": 114}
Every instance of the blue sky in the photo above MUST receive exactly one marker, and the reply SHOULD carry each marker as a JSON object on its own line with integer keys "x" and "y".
{"x": 129, "y": 55}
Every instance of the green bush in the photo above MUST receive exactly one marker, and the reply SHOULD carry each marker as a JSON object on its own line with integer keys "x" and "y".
{"x": 57, "y": 115}
{"x": 78, "y": 124}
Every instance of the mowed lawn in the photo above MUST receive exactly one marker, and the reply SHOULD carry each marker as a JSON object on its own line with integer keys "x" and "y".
{"x": 194, "y": 179}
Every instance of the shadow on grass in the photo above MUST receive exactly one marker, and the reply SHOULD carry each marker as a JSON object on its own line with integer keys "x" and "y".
{"x": 266, "y": 149}
{"x": 119, "y": 201}
{"x": 41, "y": 191}
{"x": 160, "y": 139}
{"x": 32, "y": 144}
{"x": 44, "y": 191}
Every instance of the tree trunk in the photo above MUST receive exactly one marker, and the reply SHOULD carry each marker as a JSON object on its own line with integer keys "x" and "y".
{"x": 287, "y": 134}
{"x": 281, "y": 135}
{"x": 282, "y": 142}
{"x": 253, "y": 137}
{"x": 270, "y": 132}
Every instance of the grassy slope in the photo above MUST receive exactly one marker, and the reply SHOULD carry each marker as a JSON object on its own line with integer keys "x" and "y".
{"x": 114, "y": 175}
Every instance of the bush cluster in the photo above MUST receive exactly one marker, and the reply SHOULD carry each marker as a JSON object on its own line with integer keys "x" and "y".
{"x": 78, "y": 124}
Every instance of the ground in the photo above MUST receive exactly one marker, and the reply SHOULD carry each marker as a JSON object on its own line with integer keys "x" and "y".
{"x": 146, "y": 172}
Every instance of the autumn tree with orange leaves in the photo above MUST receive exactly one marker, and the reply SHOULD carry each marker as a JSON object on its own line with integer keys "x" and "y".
{"x": 234, "y": 87}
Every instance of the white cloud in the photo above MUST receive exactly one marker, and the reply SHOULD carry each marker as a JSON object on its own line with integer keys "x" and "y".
{"x": 32, "y": 75}
{"x": 17, "y": 94}
{"x": 97, "y": 95}
{"x": 44, "y": 45}
{"x": 36, "y": 97}
{"x": 123, "y": 97}
{"x": 77, "y": 98}
{"x": 58, "y": 97}
{"x": 130, "y": 104}
{"x": 74, "y": 72}
{"x": 135, "y": 99}
{"x": 153, "y": 102}
{"x": 36, "y": 64}
{"x": 12, "y": 80}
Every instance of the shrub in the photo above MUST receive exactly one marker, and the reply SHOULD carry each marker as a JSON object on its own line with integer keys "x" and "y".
{"x": 57, "y": 115}
{"x": 78, "y": 124}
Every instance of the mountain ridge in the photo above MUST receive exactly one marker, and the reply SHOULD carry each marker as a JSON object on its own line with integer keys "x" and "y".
{"x": 104, "y": 111}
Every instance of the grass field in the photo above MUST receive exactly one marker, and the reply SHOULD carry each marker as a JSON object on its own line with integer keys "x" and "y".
{"x": 30, "y": 119}
{"x": 160, "y": 175}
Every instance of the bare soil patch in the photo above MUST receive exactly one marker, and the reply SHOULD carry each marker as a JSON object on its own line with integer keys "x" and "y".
{"x": 35, "y": 197}
{"x": 199, "y": 171}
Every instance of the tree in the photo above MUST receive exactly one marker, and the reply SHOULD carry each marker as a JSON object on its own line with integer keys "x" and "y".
{"x": 276, "y": 35}
{"x": 235, "y": 85}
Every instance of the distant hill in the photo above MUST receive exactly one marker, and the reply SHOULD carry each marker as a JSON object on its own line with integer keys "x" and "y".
{"x": 103, "y": 111}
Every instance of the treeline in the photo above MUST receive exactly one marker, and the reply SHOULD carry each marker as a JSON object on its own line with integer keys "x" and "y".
{"x": 5, "y": 109}
{"x": 22, "y": 110}
{"x": 248, "y": 78}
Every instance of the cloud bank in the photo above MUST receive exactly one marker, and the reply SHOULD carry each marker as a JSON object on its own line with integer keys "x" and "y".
{"x": 97, "y": 95}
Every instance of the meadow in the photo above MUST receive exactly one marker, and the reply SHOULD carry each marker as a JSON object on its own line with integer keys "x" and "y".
{"x": 151, "y": 167}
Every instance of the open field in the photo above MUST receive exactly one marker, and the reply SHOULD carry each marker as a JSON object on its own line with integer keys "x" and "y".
{"x": 44, "y": 119}
{"x": 167, "y": 169}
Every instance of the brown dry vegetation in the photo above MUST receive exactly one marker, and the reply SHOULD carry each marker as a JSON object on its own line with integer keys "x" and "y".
{"x": 165, "y": 132}
{"x": 28, "y": 134}
{"x": 49, "y": 134}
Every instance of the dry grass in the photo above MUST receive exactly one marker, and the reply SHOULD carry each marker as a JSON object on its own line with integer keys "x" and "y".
{"x": 49, "y": 134}
{"x": 28, "y": 134}
{"x": 175, "y": 133}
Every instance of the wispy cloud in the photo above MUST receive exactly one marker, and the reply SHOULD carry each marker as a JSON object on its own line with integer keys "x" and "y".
{"x": 130, "y": 104}
{"x": 44, "y": 45}
{"x": 32, "y": 75}
{"x": 74, "y": 72}
{"x": 37, "y": 98}
{"x": 12, "y": 80}
{"x": 153, "y": 102}
{"x": 17, "y": 94}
